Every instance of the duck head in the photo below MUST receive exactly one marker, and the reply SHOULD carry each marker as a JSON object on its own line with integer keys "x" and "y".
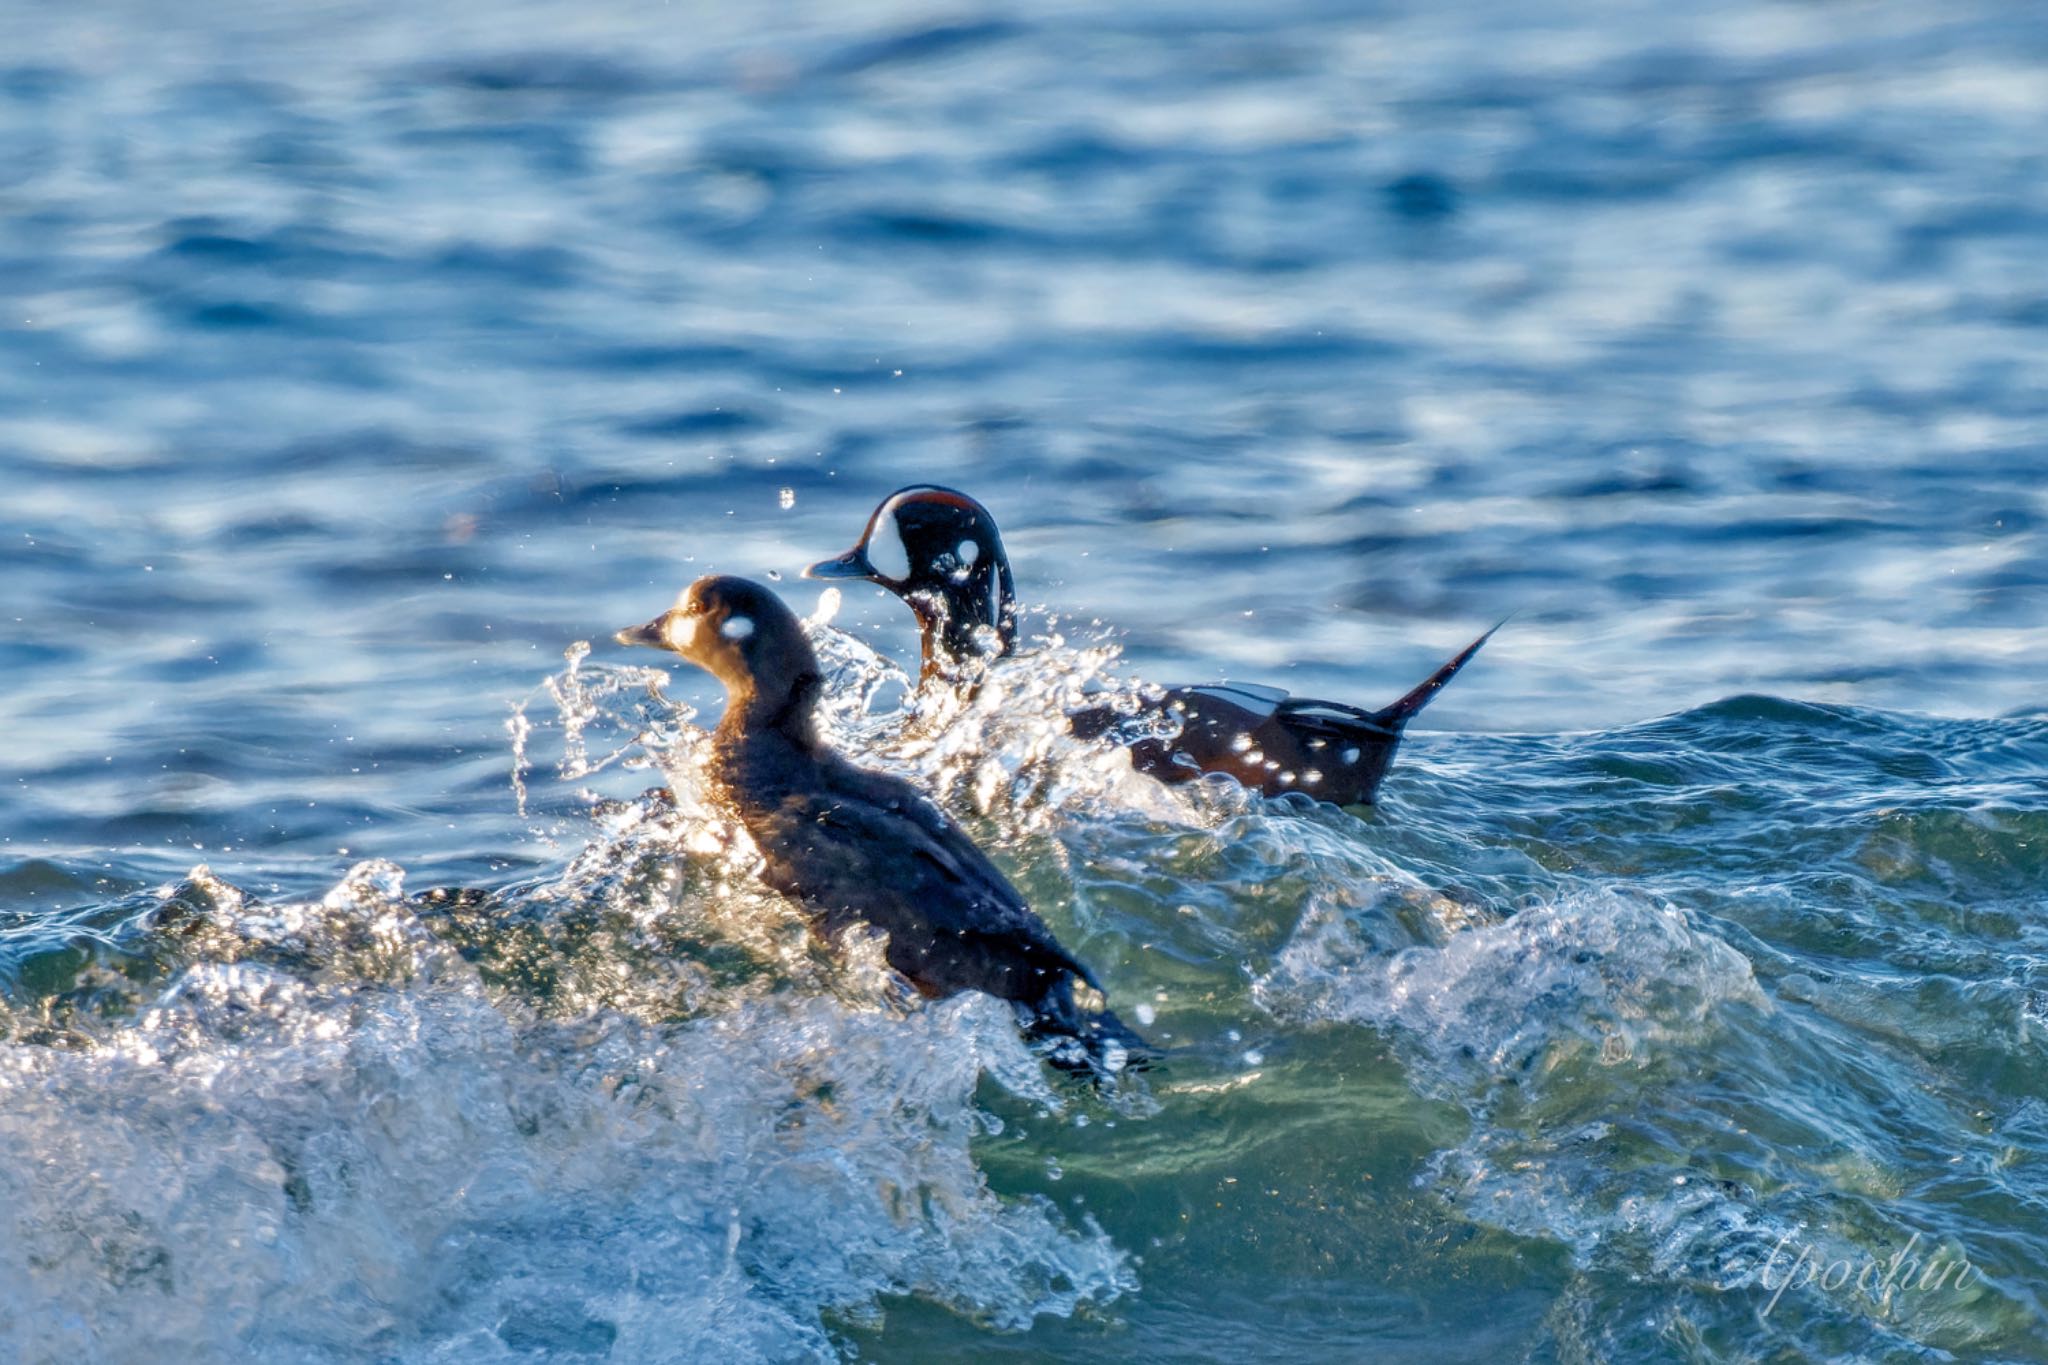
{"x": 743, "y": 635}
{"x": 939, "y": 551}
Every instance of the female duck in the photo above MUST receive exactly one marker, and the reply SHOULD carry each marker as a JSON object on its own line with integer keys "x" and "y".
{"x": 859, "y": 847}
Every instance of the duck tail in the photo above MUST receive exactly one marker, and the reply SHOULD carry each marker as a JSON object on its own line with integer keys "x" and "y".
{"x": 1090, "y": 1042}
{"x": 1424, "y": 692}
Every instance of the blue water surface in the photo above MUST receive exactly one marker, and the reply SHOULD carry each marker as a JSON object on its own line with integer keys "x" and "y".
{"x": 359, "y": 359}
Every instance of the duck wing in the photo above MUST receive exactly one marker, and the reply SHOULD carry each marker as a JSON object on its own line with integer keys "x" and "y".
{"x": 864, "y": 847}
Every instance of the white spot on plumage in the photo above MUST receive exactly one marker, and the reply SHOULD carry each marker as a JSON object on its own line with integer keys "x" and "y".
{"x": 968, "y": 552}
{"x": 1349, "y": 756}
{"x": 886, "y": 550}
{"x": 737, "y": 627}
{"x": 681, "y": 630}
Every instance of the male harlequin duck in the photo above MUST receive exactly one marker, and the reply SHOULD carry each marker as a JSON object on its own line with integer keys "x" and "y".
{"x": 939, "y": 550}
{"x": 859, "y": 847}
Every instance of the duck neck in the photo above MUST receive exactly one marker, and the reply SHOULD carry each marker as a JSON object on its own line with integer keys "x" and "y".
{"x": 787, "y": 714}
{"x": 955, "y": 625}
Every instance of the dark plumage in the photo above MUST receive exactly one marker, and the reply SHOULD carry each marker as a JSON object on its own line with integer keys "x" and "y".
{"x": 939, "y": 551}
{"x": 858, "y": 847}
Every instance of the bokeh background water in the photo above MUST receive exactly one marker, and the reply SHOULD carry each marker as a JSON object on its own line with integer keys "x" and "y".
{"x": 358, "y": 358}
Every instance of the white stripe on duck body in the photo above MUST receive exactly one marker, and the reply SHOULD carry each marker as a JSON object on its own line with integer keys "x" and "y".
{"x": 858, "y": 847}
{"x": 939, "y": 550}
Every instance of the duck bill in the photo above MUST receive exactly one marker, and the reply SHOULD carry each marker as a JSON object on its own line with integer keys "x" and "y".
{"x": 652, "y": 634}
{"x": 852, "y": 564}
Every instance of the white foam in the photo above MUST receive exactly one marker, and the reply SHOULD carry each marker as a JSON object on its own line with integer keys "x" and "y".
{"x": 1620, "y": 973}
{"x": 1504, "y": 1018}
{"x": 348, "y": 1137}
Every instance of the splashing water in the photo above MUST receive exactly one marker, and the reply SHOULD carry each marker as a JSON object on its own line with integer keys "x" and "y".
{"x": 326, "y": 1130}
{"x": 629, "y": 1106}
{"x": 1260, "y": 310}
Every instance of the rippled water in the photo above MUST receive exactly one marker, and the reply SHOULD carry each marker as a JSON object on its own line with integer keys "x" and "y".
{"x": 358, "y": 360}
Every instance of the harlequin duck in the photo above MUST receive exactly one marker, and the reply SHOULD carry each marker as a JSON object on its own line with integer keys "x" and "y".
{"x": 860, "y": 847}
{"x": 939, "y": 550}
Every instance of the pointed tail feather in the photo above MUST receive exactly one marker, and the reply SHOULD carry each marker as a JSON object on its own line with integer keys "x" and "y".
{"x": 1405, "y": 710}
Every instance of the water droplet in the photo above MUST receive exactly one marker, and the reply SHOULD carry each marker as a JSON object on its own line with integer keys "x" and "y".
{"x": 787, "y": 497}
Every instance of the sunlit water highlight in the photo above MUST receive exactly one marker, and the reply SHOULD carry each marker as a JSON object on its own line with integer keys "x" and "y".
{"x": 359, "y": 359}
{"x": 1596, "y": 1068}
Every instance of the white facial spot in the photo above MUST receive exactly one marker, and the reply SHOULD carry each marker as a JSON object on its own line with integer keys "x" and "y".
{"x": 681, "y": 630}
{"x": 886, "y": 550}
{"x": 967, "y": 552}
{"x": 737, "y": 627}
